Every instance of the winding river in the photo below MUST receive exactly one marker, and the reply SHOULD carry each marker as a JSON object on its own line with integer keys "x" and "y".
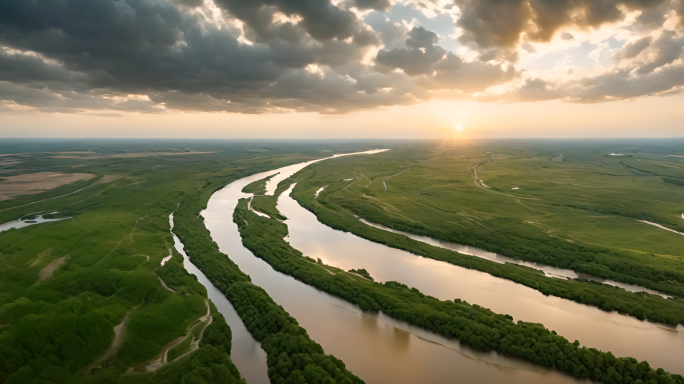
{"x": 246, "y": 351}
{"x": 382, "y": 350}
{"x": 495, "y": 257}
{"x": 661, "y": 345}
{"x": 376, "y": 348}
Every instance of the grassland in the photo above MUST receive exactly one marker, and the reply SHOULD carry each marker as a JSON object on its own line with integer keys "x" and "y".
{"x": 292, "y": 356}
{"x": 81, "y": 299}
{"x": 103, "y": 262}
{"x": 471, "y": 324}
{"x": 564, "y": 222}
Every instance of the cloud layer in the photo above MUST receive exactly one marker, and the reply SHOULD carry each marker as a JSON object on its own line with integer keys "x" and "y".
{"x": 262, "y": 56}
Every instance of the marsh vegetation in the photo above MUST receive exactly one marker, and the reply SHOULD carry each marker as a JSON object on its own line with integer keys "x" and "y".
{"x": 577, "y": 214}
{"x": 86, "y": 299}
{"x": 67, "y": 286}
{"x": 471, "y": 324}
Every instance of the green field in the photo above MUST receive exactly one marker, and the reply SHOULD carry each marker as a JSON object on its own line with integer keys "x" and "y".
{"x": 471, "y": 324}
{"x": 66, "y": 285}
{"x": 81, "y": 299}
{"x": 583, "y": 216}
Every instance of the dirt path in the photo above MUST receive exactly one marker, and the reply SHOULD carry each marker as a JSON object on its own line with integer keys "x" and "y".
{"x": 484, "y": 186}
{"x": 162, "y": 282}
{"x": 119, "y": 334}
{"x": 130, "y": 235}
{"x": 46, "y": 253}
{"x": 49, "y": 269}
{"x": 155, "y": 364}
{"x": 399, "y": 173}
{"x": 661, "y": 227}
{"x": 194, "y": 345}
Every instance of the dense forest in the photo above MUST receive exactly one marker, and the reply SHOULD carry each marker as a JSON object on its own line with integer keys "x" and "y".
{"x": 473, "y": 325}
{"x": 292, "y": 356}
{"x": 267, "y": 205}
{"x": 53, "y": 342}
{"x": 104, "y": 267}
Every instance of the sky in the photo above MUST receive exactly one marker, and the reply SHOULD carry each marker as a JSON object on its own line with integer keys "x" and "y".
{"x": 341, "y": 68}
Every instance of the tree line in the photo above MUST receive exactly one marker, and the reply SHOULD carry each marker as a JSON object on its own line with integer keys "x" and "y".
{"x": 609, "y": 298}
{"x": 292, "y": 356}
{"x": 473, "y": 325}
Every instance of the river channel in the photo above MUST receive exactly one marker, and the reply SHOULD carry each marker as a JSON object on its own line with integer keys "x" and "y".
{"x": 661, "y": 345}
{"x": 376, "y": 348}
{"x": 246, "y": 351}
{"x": 382, "y": 350}
{"x": 500, "y": 259}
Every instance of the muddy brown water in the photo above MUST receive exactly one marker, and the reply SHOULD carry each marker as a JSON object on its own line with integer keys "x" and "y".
{"x": 382, "y": 350}
{"x": 246, "y": 351}
{"x": 375, "y": 347}
{"x": 549, "y": 271}
{"x": 661, "y": 345}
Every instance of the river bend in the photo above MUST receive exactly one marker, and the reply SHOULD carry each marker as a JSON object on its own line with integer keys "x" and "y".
{"x": 382, "y": 350}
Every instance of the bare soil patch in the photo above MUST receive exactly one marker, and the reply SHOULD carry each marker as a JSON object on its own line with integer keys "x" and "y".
{"x": 46, "y": 253}
{"x": 37, "y": 182}
{"x": 109, "y": 178}
{"x": 49, "y": 269}
{"x": 106, "y": 359}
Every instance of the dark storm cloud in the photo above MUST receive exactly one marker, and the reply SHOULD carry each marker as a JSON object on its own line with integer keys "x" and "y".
{"x": 419, "y": 37}
{"x": 153, "y": 47}
{"x": 491, "y": 23}
{"x": 33, "y": 70}
{"x": 190, "y": 3}
{"x": 303, "y": 55}
{"x": 666, "y": 49}
{"x": 320, "y": 19}
{"x": 631, "y": 50}
{"x": 502, "y": 23}
{"x": 378, "y": 5}
{"x": 413, "y": 61}
{"x": 418, "y": 56}
{"x": 473, "y": 76}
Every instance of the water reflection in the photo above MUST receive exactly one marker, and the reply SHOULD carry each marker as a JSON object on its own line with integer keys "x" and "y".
{"x": 285, "y": 172}
{"x": 376, "y": 348}
{"x": 660, "y": 345}
{"x": 495, "y": 257}
{"x": 246, "y": 351}
{"x": 28, "y": 220}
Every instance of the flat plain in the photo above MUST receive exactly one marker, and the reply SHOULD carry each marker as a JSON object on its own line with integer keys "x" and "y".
{"x": 85, "y": 299}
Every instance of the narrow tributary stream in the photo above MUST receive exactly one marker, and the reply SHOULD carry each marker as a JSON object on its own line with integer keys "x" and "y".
{"x": 500, "y": 259}
{"x": 662, "y": 346}
{"x": 246, "y": 352}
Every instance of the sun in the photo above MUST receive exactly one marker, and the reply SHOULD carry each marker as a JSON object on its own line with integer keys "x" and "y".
{"x": 458, "y": 127}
